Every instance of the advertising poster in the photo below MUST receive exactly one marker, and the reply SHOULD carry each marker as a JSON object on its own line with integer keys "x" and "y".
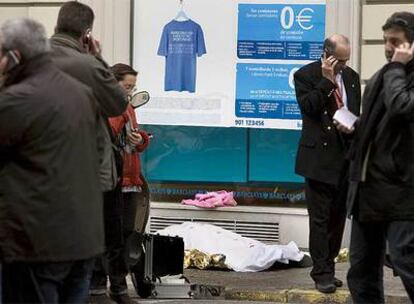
{"x": 280, "y": 31}
{"x": 266, "y": 92}
{"x": 224, "y": 63}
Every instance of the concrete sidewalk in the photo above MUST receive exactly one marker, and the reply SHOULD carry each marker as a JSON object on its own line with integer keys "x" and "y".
{"x": 291, "y": 285}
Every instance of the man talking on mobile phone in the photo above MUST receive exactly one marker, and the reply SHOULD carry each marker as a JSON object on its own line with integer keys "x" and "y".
{"x": 51, "y": 224}
{"x": 76, "y": 52}
{"x": 323, "y": 87}
{"x": 381, "y": 190}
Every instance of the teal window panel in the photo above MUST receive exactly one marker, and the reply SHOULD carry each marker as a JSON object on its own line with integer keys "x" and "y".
{"x": 272, "y": 155}
{"x": 196, "y": 154}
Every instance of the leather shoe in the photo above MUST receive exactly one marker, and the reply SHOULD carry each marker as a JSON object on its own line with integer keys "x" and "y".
{"x": 100, "y": 299}
{"x": 325, "y": 287}
{"x": 122, "y": 299}
{"x": 338, "y": 282}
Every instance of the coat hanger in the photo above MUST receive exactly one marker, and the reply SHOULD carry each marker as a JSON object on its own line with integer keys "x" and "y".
{"x": 181, "y": 16}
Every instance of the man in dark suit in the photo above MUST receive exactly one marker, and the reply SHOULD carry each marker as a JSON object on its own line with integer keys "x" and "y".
{"x": 322, "y": 87}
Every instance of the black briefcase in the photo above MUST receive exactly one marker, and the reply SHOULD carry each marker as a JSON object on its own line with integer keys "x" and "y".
{"x": 152, "y": 257}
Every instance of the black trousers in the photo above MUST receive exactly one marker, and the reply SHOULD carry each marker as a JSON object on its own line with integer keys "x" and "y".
{"x": 120, "y": 214}
{"x": 327, "y": 213}
{"x": 368, "y": 245}
{"x": 112, "y": 263}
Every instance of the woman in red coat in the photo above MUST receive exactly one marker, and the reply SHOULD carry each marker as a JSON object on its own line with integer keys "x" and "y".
{"x": 131, "y": 141}
{"x": 133, "y": 213}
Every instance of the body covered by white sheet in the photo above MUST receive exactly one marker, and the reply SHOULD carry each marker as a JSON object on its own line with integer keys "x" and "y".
{"x": 242, "y": 254}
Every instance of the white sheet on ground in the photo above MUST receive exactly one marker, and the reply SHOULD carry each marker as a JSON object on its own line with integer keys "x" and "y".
{"x": 242, "y": 254}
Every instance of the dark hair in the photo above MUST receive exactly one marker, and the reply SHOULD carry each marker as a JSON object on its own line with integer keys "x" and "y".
{"x": 329, "y": 46}
{"x": 403, "y": 21}
{"x": 120, "y": 70}
{"x": 74, "y": 18}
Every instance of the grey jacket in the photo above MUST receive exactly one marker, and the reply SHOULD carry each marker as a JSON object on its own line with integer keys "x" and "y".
{"x": 92, "y": 71}
{"x": 50, "y": 201}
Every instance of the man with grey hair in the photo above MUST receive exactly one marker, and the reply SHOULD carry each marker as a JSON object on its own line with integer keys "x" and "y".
{"x": 323, "y": 87}
{"x": 50, "y": 200}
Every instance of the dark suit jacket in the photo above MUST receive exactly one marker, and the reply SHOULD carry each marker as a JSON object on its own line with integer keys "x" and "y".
{"x": 322, "y": 149}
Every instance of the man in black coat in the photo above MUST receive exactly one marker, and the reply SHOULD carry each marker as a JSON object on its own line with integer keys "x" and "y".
{"x": 322, "y": 87}
{"x": 51, "y": 209}
{"x": 381, "y": 192}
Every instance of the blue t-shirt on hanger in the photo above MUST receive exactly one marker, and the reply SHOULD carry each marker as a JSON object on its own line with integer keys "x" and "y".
{"x": 181, "y": 42}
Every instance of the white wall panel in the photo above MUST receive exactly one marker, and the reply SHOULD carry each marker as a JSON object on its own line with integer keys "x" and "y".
{"x": 12, "y": 12}
{"x": 46, "y": 15}
{"x": 374, "y": 14}
{"x": 343, "y": 17}
{"x": 111, "y": 28}
{"x": 374, "y": 17}
{"x": 372, "y": 58}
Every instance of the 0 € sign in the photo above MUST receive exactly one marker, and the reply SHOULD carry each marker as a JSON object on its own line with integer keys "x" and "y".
{"x": 303, "y": 18}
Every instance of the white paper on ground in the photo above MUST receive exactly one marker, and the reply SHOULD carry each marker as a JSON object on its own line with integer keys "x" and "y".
{"x": 345, "y": 117}
{"x": 172, "y": 279}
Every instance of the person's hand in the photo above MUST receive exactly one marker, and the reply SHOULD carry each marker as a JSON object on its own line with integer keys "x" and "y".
{"x": 341, "y": 128}
{"x": 135, "y": 138}
{"x": 94, "y": 46}
{"x": 328, "y": 67}
{"x": 404, "y": 53}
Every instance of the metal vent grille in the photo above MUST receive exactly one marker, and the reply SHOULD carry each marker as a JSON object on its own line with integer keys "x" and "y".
{"x": 267, "y": 232}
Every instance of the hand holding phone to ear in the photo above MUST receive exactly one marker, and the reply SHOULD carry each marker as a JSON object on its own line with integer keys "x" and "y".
{"x": 328, "y": 66}
{"x": 92, "y": 45}
{"x": 404, "y": 53}
{"x": 10, "y": 61}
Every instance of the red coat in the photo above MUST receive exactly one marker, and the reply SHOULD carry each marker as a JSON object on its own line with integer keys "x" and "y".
{"x": 131, "y": 162}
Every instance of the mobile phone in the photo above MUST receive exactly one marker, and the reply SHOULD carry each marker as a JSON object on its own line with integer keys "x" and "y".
{"x": 327, "y": 53}
{"x": 87, "y": 37}
{"x": 13, "y": 60}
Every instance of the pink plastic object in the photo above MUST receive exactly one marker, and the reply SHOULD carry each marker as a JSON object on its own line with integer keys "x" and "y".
{"x": 212, "y": 199}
